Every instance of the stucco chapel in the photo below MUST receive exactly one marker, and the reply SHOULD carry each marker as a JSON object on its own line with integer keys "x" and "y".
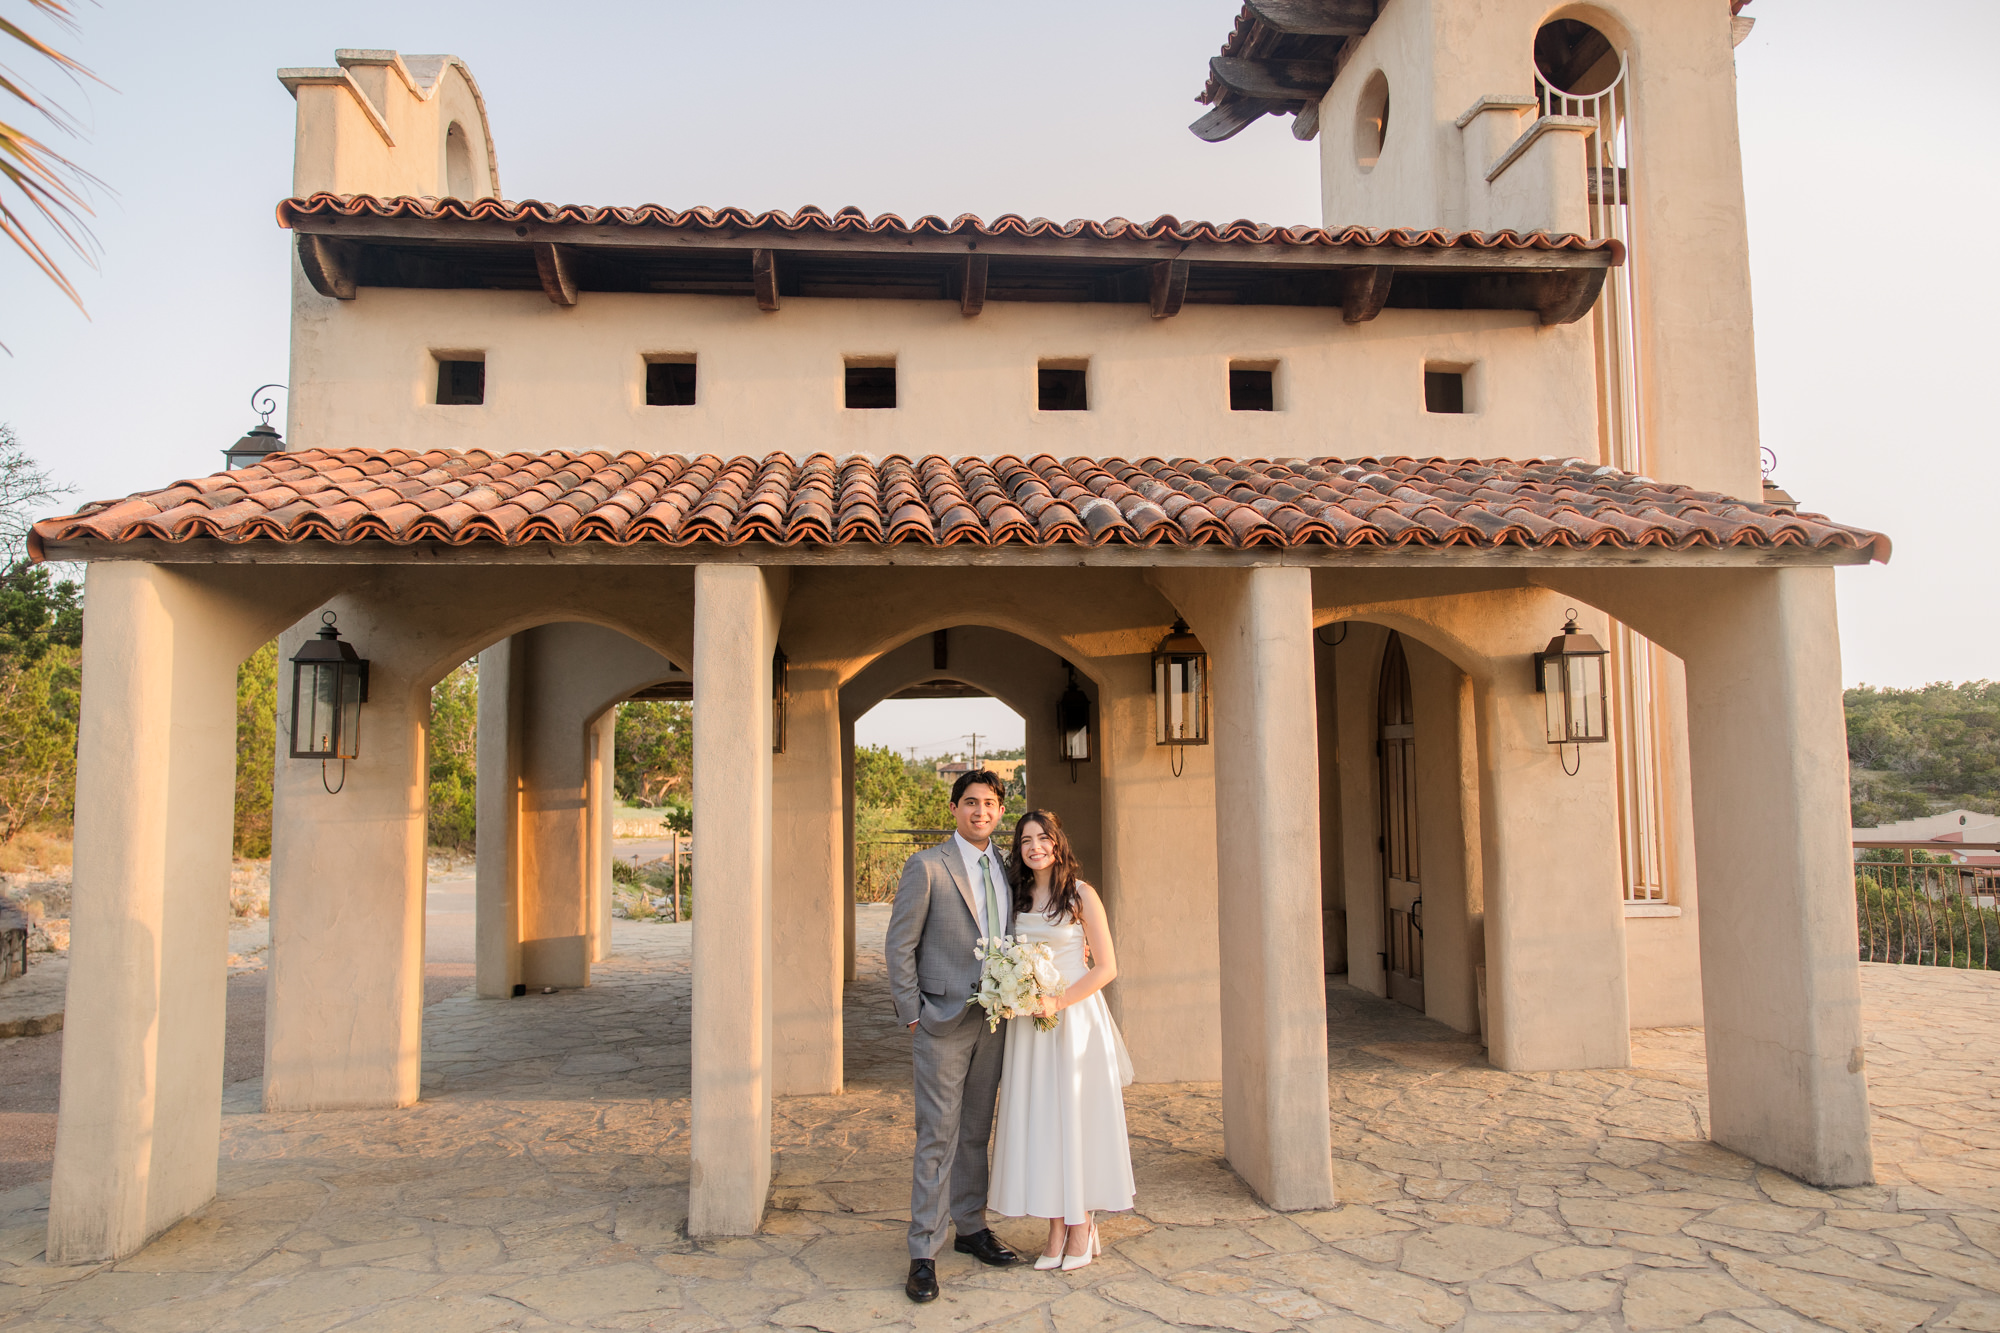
{"x": 1434, "y": 625}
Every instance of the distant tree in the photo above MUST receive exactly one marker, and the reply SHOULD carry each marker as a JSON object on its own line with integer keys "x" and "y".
{"x": 256, "y": 749}
{"x": 37, "y": 613}
{"x": 453, "y": 768}
{"x": 881, "y": 778}
{"x": 654, "y": 752}
{"x": 41, "y": 630}
{"x": 1916, "y": 752}
{"x": 38, "y": 717}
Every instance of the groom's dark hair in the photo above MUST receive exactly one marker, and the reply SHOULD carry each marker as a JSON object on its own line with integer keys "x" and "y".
{"x": 986, "y": 776}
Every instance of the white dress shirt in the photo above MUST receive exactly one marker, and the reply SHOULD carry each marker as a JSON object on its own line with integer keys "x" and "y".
{"x": 998, "y": 870}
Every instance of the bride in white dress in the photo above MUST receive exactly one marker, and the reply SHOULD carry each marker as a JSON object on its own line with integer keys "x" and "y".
{"x": 1059, "y": 1144}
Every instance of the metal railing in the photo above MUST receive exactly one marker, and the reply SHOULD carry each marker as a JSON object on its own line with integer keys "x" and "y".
{"x": 661, "y": 889}
{"x": 1922, "y": 912}
{"x": 878, "y": 858}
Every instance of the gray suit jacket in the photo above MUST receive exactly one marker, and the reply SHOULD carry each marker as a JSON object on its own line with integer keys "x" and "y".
{"x": 933, "y": 930}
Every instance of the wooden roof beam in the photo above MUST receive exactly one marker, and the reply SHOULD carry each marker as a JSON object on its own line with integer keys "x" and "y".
{"x": 1272, "y": 254}
{"x": 972, "y": 295}
{"x": 557, "y": 272}
{"x": 1231, "y": 117}
{"x": 1169, "y": 287}
{"x": 329, "y": 265}
{"x": 1568, "y": 297}
{"x": 1364, "y": 292}
{"x": 764, "y": 276}
{"x": 1274, "y": 80}
{"x": 1316, "y": 18}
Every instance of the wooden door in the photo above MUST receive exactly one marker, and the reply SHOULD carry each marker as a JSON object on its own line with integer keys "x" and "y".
{"x": 1402, "y": 878}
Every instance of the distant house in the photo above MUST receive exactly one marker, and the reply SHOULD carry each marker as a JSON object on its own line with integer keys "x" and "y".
{"x": 1005, "y": 768}
{"x": 1956, "y": 831}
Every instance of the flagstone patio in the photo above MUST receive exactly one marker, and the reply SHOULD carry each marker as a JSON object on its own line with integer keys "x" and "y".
{"x": 541, "y": 1183}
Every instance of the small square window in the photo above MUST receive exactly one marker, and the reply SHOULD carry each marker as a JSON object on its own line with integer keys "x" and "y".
{"x": 871, "y": 385}
{"x": 1250, "y": 390}
{"x": 461, "y": 383}
{"x": 1062, "y": 386}
{"x": 670, "y": 383}
{"x": 1444, "y": 390}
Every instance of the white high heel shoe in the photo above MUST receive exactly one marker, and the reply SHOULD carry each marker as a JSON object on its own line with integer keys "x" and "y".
{"x": 1044, "y": 1262}
{"x": 1072, "y": 1262}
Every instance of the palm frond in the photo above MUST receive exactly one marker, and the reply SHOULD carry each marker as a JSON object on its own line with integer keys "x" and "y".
{"x": 51, "y": 188}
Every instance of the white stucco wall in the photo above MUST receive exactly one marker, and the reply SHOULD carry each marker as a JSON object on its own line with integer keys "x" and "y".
{"x": 1691, "y": 250}
{"x": 364, "y": 373}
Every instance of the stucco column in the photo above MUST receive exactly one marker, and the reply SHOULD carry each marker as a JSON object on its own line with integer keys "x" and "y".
{"x": 496, "y": 893}
{"x": 1257, "y": 625}
{"x": 736, "y": 615}
{"x": 1780, "y": 986}
{"x": 141, "y": 1106}
{"x": 1555, "y": 925}
{"x": 554, "y": 764}
{"x": 1159, "y": 880}
{"x": 808, "y": 890}
{"x": 847, "y": 847}
{"x": 603, "y": 815}
{"x": 344, "y": 1019}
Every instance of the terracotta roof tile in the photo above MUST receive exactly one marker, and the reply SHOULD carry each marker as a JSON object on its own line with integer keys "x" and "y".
{"x": 351, "y": 495}
{"x": 814, "y": 221}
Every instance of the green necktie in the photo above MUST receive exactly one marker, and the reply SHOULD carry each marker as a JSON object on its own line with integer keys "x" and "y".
{"x": 995, "y": 923}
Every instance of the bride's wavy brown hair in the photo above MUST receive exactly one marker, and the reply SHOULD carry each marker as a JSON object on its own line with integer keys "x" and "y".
{"x": 1065, "y": 899}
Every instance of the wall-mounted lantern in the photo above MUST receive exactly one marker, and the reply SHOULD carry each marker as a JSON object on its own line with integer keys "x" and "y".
{"x": 1569, "y": 674}
{"x": 1180, "y": 692}
{"x": 260, "y": 439}
{"x": 329, "y": 685}
{"x": 781, "y": 688}
{"x": 1073, "y": 724}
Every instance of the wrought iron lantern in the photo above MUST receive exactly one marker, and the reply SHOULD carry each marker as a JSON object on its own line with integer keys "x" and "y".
{"x": 329, "y": 685}
{"x": 1073, "y": 724}
{"x": 261, "y": 439}
{"x": 781, "y": 688}
{"x": 1180, "y": 691}
{"x": 1569, "y": 674}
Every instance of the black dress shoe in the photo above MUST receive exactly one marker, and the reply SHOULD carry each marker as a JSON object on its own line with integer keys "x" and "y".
{"x": 922, "y": 1285}
{"x": 987, "y": 1249}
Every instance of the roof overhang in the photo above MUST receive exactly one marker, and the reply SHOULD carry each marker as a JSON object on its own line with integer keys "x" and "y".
{"x": 593, "y": 553}
{"x": 358, "y": 506}
{"x": 346, "y": 243}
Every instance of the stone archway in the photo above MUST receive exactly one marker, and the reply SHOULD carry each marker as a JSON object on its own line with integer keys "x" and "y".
{"x": 1023, "y": 675}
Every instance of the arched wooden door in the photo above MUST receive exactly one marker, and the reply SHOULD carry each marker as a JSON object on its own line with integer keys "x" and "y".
{"x": 1402, "y": 883}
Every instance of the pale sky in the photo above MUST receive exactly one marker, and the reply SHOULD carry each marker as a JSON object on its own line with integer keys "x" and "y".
{"x": 1870, "y": 160}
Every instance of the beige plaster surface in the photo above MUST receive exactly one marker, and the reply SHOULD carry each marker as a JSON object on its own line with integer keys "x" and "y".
{"x": 541, "y": 1184}
{"x": 574, "y": 377}
{"x": 1690, "y": 259}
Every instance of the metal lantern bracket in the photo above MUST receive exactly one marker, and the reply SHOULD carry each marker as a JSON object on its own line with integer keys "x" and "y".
{"x": 1180, "y": 693}
{"x": 329, "y": 686}
{"x": 1570, "y": 674}
{"x": 781, "y": 689}
{"x": 1073, "y": 724}
{"x": 261, "y": 439}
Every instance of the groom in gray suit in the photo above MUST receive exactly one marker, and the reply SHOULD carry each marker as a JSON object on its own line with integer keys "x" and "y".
{"x": 950, "y": 896}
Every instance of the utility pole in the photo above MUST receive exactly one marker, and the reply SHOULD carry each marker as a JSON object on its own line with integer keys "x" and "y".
{"x": 974, "y": 738}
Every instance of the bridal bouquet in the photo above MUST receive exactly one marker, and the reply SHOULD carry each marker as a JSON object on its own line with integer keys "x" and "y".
{"x": 1015, "y": 975}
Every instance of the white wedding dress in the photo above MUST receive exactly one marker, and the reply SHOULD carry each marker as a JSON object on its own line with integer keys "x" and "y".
{"x": 1059, "y": 1145}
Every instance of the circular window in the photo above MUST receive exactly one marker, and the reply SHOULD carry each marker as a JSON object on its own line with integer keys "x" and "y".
{"x": 1574, "y": 58}
{"x": 1371, "y": 121}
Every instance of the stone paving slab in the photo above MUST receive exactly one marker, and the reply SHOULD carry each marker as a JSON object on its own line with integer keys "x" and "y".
{"x": 542, "y": 1184}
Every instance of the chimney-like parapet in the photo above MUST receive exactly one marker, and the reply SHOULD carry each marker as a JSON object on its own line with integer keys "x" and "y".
{"x": 378, "y": 122}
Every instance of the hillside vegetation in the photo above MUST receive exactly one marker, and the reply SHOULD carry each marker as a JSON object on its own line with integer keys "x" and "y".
{"x": 1917, "y": 752}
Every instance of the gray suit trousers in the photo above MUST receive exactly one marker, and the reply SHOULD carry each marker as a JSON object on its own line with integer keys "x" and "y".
{"x": 957, "y": 1082}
